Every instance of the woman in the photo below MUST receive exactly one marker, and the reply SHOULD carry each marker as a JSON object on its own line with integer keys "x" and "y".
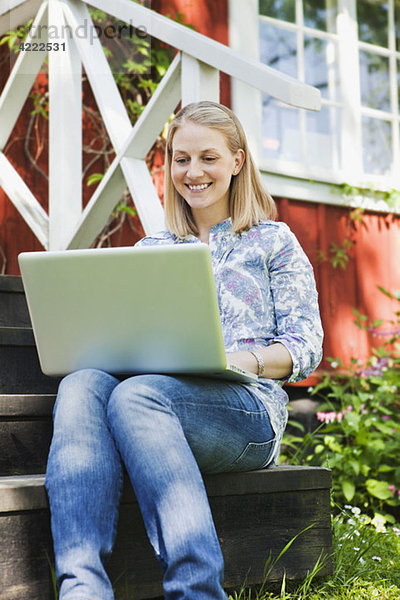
{"x": 166, "y": 430}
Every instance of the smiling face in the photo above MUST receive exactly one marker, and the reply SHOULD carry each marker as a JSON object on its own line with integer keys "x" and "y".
{"x": 201, "y": 169}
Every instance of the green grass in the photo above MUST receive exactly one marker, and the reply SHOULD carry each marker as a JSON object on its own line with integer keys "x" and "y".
{"x": 367, "y": 565}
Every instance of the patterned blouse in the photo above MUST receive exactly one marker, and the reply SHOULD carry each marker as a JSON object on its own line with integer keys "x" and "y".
{"x": 266, "y": 293}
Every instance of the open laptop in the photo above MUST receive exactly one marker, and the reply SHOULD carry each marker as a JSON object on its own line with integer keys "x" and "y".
{"x": 127, "y": 310}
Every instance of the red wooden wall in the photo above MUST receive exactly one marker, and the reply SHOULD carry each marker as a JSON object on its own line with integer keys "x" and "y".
{"x": 374, "y": 258}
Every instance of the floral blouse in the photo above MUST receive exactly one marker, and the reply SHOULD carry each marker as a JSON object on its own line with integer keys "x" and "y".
{"x": 266, "y": 294}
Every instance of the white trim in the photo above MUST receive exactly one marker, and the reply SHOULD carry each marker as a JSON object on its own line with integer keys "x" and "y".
{"x": 65, "y": 106}
{"x": 296, "y": 188}
{"x": 24, "y": 201}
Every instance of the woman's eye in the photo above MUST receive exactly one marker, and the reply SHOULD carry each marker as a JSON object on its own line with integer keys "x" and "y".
{"x": 180, "y": 161}
{"x": 209, "y": 158}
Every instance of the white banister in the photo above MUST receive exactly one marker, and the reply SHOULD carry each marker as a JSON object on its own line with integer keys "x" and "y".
{"x": 199, "y": 81}
{"x": 65, "y": 134}
{"x": 193, "y": 75}
{"x": 214, "y": 53}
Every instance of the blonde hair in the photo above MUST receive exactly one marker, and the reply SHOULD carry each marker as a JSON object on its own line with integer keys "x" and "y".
{"x": 249, "y": 202}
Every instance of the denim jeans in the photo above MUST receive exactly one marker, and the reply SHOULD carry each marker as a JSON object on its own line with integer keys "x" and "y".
{"x": 166, "y": 430}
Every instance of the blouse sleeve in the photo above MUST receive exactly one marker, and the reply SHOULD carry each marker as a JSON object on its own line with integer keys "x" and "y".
{"x": 298, "y": 323}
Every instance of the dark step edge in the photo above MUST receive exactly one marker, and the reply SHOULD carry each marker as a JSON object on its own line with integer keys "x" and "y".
{"x": 26, "y": 492}
{"x": 26, "y": 405}
{"x": 16, "y": 336}
{"x": 11, "y": 283}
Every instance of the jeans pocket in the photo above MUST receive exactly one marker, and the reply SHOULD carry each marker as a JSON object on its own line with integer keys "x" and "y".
{"x": 255, "y": 456}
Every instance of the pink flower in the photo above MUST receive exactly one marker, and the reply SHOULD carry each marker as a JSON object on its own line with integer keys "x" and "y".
{"x": 392, "y": 488}
{"x": 349, "y": 408}
{"x": 385, "y": 417}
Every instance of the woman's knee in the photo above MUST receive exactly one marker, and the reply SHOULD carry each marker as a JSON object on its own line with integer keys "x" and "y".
{"x": 140, "y": 393}
{"x": 82, "y": 392}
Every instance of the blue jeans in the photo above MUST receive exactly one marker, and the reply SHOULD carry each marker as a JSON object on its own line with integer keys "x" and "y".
{"x": 165, "y": 430}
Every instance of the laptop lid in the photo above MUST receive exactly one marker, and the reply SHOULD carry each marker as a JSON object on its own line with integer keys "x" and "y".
{"x": 125, "y": 310}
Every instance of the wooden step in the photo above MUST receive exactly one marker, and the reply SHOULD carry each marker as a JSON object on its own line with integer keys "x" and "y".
{"x": 20, "y": 371}
{"x": 25, "y": 432}
{"x": 255, "y": 513}
{"x": 13, "y": 307}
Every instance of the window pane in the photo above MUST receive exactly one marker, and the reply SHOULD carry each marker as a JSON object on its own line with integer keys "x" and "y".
{"x": 374, "y": 74}
{"x": 372, "y": 17}
{"x": 377, "y": 146}
{"x": 285, "y": 10}
{"x": 323, "y": 138}
{"x": 320, "y": 66}
{"x": 320, "y": 14}
{"x": 278, "y": 49}
{"x": 280, "y": 131}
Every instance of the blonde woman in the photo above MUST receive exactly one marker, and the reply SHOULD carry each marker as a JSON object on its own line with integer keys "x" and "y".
{"x": 168, "y": 430}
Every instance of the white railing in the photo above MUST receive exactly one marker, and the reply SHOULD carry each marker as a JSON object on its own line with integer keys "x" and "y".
{"x": 193, "y": 75}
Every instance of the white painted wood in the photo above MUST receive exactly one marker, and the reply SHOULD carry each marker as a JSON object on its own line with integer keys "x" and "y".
{"x": 246, "y": 100}
{"x": 23, "y": 200}
{"x": 138, "y": 143}
{"x": 297, "y": 188}
{"x": 22, "y": 78}
{"x": 144, "y": 194}
{"x": 65, "y": 132}
{"x": 98, "y": 209}
{"x": 14, "y": 13}
{"x": 156, "y": 113}
{"x": 198, "y": 81}
{"x": 215, "y": 54}
{"x": 351, "y": 140}
{"x": 103, "y": 85}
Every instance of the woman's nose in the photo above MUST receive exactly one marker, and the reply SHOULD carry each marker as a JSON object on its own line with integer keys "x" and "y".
{"x": 195, "y": 169}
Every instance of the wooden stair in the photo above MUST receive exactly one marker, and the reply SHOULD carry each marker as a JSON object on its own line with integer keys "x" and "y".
{"x": 255, "y": 513}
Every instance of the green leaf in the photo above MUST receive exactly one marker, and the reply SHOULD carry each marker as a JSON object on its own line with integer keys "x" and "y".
{"x": 378, "y": 489}
{"x": 349, "y": 489}
{"x": 94, "y": 178}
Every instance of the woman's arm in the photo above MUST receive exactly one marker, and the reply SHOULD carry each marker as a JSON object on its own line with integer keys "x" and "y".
{"x": 278, "y": 362}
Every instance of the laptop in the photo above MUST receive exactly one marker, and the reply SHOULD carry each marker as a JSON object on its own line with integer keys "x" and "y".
{"x": 127, "y": 310}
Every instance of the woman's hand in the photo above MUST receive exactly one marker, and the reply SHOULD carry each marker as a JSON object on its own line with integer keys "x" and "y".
{"x": 277, "y": 361}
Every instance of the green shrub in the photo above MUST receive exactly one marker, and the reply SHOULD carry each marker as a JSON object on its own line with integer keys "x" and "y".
{"x": 359, "y": 432}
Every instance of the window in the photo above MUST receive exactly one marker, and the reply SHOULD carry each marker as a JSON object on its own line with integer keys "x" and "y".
{"x": 350, "y": 51}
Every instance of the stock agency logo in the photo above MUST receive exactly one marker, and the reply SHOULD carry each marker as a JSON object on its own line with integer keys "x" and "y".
{"x": 88, "y": 30}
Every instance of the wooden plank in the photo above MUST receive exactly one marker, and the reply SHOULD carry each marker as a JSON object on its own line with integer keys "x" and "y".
{"x": 20, "y": 372}
{"x": 24, "y": 445}
{"x": 26, "y": 405}
{"x": 16, "y": 336}
{"x": 65, "y": 133}
{"x": 198, "y": 81}
{"x": 22, "y": 76}
{"x": 23, "y": 200}
{"x": 213, "y": 53}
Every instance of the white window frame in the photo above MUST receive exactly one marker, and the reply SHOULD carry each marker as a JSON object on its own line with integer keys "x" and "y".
{"x": 306, "y": 182}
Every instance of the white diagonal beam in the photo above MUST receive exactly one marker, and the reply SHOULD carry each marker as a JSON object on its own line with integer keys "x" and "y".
{"x": 65, "y": 132}
{"x": 144, "y": 194}
{"x": 98, "y": 71}
{"x": 22, "y": 77}
{"x": 213, "y": 53}
{"x": 141, "y": 138}
{"x": 99, "y": 207}
{"x": 23, "y": 200}
{"x": 199, "y": 81}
